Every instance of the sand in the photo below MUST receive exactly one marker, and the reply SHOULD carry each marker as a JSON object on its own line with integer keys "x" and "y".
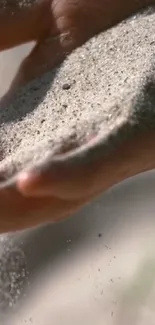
{"x": 102, "y": 86}
{"x": 7, "y": 4}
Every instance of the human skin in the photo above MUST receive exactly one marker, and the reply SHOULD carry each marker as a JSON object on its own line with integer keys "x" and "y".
{"x": 42, "y": 18}
{"x": 58, "y": 27}
{"x": 53, "y": 195}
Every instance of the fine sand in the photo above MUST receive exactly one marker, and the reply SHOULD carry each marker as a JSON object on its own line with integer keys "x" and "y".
{"x": 99, "y": 87}
{"x": 16, "y": 3}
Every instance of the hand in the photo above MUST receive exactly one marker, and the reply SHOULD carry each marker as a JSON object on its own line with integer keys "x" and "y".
{"x": 53, "y": 192}
{"x": 52, "y": 17}
{"x": 59, "y": 26}
{"x": 50, "y": 194}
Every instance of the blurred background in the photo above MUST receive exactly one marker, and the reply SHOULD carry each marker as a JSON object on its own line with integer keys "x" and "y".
{"x": 96, "y": 268}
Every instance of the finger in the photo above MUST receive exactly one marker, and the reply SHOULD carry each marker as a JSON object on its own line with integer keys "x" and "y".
{"x": 72, "y": 24}
{"x": 23, "y": 24}
{"x": 86, "y": 172}
{"x": 74, "y": 175}
{"x": 19, "y": 212}
{"x": 46, "y": 55}
{"x": 40, "y": 60}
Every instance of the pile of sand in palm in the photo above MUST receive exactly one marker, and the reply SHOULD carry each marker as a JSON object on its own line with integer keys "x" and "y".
{"x": 102, "y": 86}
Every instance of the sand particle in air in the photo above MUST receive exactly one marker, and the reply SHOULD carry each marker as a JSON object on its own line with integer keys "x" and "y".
{"x": 13, "y": 273}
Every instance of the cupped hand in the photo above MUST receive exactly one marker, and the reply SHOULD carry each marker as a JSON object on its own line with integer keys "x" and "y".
{"x": 18, "y": 212}
{"x": 48, "y": 195}
{"x": 53, "y": 192}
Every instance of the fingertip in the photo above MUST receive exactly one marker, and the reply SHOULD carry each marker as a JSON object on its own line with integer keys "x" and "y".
{"x": 26, "y": 182}
{"x": 34, "y": 184}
